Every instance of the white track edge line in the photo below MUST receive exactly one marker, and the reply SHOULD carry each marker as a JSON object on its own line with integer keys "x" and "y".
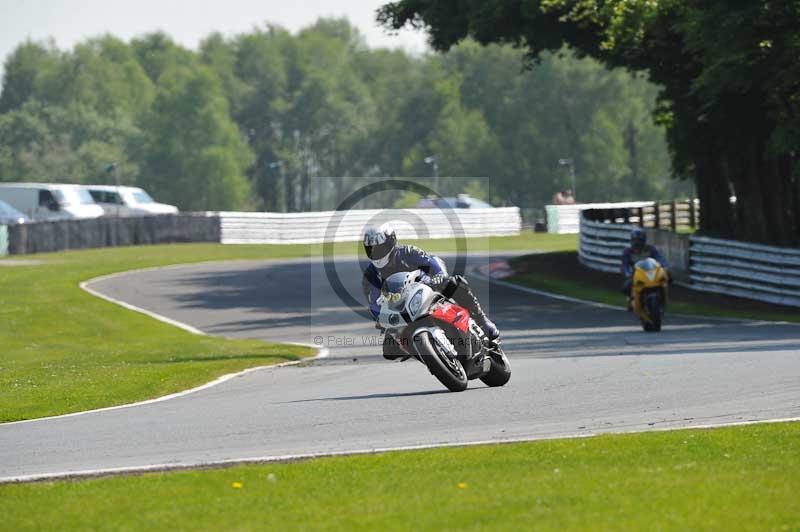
{"x": 168, "y": 467}
{"x": 322, "y": 352}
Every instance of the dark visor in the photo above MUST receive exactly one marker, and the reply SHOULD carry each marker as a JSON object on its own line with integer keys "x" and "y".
{"x": 379, "y": 251}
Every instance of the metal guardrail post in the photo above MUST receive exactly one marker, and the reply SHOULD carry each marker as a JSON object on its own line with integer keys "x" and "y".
{"x": 692, "y": 214}
{"x": 674, "y": 216}
{"x": 657, "y": 213}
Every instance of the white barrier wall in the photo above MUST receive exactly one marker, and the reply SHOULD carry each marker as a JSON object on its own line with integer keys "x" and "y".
{"x": 601, "y": 244}
{"x": 765, "y": 273}
{"x": 342, "y": 226}
{"x": 566, "y": 218}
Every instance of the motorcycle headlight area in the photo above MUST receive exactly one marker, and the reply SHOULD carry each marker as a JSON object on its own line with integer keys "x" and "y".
{"x": 415, "y": 303}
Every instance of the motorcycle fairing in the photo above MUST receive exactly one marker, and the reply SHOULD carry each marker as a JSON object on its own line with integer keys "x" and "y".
{"x": 453, "y": 314}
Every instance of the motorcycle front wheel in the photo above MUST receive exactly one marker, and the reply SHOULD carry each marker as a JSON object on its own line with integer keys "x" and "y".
{"x": 652, "y": 304}
{"x": 448, "y": 370}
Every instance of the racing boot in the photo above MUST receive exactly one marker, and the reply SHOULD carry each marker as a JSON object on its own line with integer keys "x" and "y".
{"x": 463, "y": 296}
{"x": 483, "y": 321}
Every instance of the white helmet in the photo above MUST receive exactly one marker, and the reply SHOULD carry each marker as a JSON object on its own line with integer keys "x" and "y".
{"x": 379, "y": 244}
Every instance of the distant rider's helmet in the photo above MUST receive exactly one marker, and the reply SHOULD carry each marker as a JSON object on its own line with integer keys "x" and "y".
{"x": 379, "y": 244}
{"x": 638, "y": 238}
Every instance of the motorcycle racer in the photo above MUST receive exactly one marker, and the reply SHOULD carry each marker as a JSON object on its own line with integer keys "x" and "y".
{"x": 638, "y": 250}
{"x": 387, "y": 257}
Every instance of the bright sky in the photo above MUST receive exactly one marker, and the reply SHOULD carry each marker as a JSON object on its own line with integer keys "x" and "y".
{"x": 186, "y": 21}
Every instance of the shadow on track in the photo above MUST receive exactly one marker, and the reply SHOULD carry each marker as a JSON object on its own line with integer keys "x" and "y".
{"x": 381, "y": 395}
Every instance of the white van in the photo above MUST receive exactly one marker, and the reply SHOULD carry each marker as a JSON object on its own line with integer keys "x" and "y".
{"x": 50, "y": 201}
{"x": 127, "y": 201}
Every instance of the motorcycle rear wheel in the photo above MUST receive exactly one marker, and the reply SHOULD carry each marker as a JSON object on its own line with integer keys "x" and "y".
{"x": 500, "y": 373}
{"x": 448, "y": 370}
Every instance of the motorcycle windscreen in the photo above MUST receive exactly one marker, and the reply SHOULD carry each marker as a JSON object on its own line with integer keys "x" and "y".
{"x": 393, "y": 288}
{"x": 648, "y": 265}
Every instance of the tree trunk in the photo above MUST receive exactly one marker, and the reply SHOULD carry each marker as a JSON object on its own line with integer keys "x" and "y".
{"x": 763, "y": 184}
{"x": 793, "y": 171}
{"x": 777, "y": 184}
{"x": 712, "y": 190}
{"x": 743, "y": 168}
{"x": 287, "y": 190}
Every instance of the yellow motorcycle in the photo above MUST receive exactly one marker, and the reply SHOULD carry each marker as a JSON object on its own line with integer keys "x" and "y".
{"x": 649, "y": 293}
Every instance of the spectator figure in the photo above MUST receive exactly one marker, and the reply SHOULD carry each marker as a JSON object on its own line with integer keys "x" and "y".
{"x": 558, "y": 198}
{"x": 569, "y": 197}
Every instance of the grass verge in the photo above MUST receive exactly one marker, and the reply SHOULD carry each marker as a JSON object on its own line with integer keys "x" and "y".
{"x": 737, "y": 478}
{"x": 63, "y": 350}
{"x": 561, "y": 273}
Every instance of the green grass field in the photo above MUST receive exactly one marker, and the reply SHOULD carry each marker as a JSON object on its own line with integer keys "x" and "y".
{"x": 738, "y": 478}
{"x": 64, "y": 350}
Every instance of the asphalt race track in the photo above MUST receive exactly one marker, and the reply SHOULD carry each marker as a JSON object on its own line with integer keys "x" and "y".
{"x": 577, "y": 369}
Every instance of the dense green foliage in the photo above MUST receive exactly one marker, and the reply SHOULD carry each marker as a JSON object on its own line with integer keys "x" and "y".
{"x": 730, "y": 85}
{"x": 734, "y": 478}
{"x": 252, "y": 121}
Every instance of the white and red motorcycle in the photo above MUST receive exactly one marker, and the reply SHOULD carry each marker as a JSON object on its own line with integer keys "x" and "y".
{"x": 440, "y": 334}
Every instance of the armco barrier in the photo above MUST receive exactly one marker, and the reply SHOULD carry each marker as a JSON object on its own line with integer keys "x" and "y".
{"x": 566, "y": 218}
{"x": 601, "y": 244}
{"x": 765, "y": 273}
{"x": 341, "y": 226}
{"x": 752, "y": 271}
{"x": 41, "y": 237}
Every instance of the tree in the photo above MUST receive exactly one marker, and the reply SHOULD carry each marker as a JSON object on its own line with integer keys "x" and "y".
{"x": 73, "y": 144}
{"x": 193, "y": 154}
{"x": 561, "y": 107}
{"x": 269, "y": 111}
{"x": 731, "y": 124}
{"x": 24, "y": 68}
{"x": 102, "y": 74}
{"x": 157, "y": 53}
{"x": 253, "y": 71}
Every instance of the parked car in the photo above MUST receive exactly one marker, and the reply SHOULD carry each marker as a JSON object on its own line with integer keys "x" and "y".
{"x": 10, "y": 216}
{"x": 127, "y": 201}
{"x": 50, "y": 201}
{"x": 461, "y": 201}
